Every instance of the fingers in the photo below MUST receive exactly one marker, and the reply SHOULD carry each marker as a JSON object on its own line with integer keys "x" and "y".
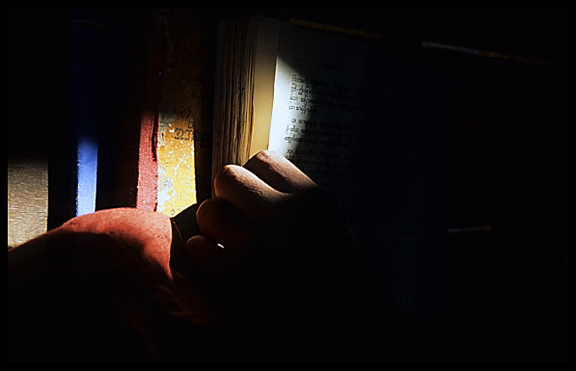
{"x": 223, "y": 236}
{"x": 223, "y": 223}
{"x": 206, "y": 254}
{"x": 246, "y": 197}
{"x": 264, "y": 180}
{"x": 244, "y": 190}
{"x": 278, "y": 172}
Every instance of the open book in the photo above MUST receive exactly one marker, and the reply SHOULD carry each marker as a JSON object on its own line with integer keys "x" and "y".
{"x": 371, "y": 130}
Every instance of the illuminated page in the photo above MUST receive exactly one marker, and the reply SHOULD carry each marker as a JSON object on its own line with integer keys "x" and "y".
{"x": 319, "y": 108}
{"x": 371, "y": 131}
{"x": 318, "y": 102}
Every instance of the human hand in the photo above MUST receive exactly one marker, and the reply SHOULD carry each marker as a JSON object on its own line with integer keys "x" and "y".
{"x": 249, "y": 206}
{"x": 276, "y": 253}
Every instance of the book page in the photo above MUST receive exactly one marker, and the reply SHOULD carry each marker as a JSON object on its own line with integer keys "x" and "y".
{"x": 319, "y": 104}
{"x": 264, "y": 71}
{"x": 370, "y": 131}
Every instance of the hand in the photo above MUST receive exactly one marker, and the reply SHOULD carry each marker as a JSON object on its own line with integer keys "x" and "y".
{"x": 248, "y": 203}
{"x": 281, "y": 262}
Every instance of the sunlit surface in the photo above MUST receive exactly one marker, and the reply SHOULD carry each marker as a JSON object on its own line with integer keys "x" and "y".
{"x": 27, "y": 199}
{"x": 175, "y": 153}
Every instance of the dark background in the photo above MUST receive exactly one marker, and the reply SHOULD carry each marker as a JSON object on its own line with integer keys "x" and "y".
{"x": 506, "y": 288}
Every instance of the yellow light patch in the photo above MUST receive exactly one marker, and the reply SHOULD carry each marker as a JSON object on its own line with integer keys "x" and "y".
{"x": 180, "y": 113}
{"x": 176, "y": 173}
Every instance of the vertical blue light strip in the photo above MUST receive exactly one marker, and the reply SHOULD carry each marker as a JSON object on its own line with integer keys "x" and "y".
{"x": 96, "y": 67}
{"x": 85, "y": 117}
{"x": 87, "y": 173}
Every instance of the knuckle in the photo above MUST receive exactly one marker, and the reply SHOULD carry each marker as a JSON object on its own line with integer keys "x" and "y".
{"x": 266, "y": 157}
{"x": 229, "y": 173}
